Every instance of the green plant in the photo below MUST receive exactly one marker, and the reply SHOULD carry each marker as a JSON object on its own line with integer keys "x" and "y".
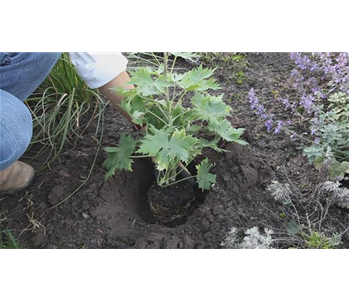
{"x": 8, "y": 241}
{"x": 235, "y": 62}
{"x": 240, "y": 76}
{"x": 172, "y": 137}
{"x": 62, "y": 108}
{"x": 331, "y": 128}
{"x": 282, "y": 215}
{"x": 316, "y": 240}
{"x": 306, "y": 217}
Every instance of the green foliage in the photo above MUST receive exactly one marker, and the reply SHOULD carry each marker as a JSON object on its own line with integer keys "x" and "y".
{"x": 240, "y": 76}
{"x": 282, "y": 215}
{"x": 186, "y": 55}
{"x": 8, "y": 241}
{"x": 59, "y": 107}
{"x": 204, "y": 177}
{"x": 171, "y": 138}
{"x": 209, "y": 108}
{"x": 340, "y": 106}
{"x": 119, "y": 157}
{"x": 332, "y": 130}
{"x": 197, "y": 80}
{"x": 339, "y": 170}
{"x": 227, "y": 132}
{"x": 236, "y": 63}
{"x": 316, "y": 240}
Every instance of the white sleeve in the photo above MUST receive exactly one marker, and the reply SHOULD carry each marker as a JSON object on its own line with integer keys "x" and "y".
{"x": 97, "y": 69}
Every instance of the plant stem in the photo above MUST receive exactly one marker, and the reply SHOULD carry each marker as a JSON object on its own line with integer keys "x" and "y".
{"x": 173, "y": 64}
{"x": 181, "y": 114}
{"x": 150, "y": 100}
{"x": 155, "y": 115}
{"x": 181, "y": 97}
{"x": 140, "y": 156}
{"x": 167, "y": 96}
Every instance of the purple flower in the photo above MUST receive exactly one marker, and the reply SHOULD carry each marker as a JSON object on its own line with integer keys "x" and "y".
{"x": 303, "y": 62}
{"x": 269, "y": 124}
{"x": 278, "y": 127}
{"x": 253, "y": 99}
{"x": 260, "y": 110}
{"x": 256, "y": 106}
{"x": 285, "y": 102}
{"x": 307, "y": 101}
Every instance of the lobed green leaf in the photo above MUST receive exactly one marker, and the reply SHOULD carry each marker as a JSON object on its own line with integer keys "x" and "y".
{"x": 119, "y": 157}
{"x": 204, "y": 178}
{"x": 186, "y": 55}
{"x": 195, "y": 80}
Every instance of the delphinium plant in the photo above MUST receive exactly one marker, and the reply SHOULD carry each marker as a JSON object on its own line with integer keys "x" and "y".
{"x": 171, "y": 138}
{"x": 173, "y": 130}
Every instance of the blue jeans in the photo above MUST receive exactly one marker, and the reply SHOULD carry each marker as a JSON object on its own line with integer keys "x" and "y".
{"x": 20, "y": 74}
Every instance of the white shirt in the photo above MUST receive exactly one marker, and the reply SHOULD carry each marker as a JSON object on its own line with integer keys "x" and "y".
{"x": 97, "y": 69}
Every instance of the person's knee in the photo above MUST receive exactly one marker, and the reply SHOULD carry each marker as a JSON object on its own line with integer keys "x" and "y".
{"x": 25, "y": 71}
{"x": 16, "y": 128}
{"x": 26, "y": 125}
{"x": 49, "y": 58}
{"x": 45, "y": 60}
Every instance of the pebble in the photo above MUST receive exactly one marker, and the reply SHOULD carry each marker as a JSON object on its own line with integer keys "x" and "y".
{"x": 86, "y": 216}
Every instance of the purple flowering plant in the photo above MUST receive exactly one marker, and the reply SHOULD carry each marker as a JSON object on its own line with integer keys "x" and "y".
{"x": 322, "y": 79}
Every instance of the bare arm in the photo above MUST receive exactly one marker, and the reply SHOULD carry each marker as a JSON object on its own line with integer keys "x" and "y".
{"x": 119, "y": 81}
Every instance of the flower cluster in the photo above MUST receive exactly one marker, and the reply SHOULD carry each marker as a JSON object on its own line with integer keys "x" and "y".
{"x": 303, "y": 62}
{"x": 329, "y": 68}
{"x": 316, "y": 76}
{"x": 260, "y": 110}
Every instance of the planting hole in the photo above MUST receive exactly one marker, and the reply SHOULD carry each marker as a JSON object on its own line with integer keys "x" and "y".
{"x": 127, "y": 193}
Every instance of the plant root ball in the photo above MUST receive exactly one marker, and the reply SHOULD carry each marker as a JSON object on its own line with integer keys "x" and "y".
{"x": 172, "y": 202}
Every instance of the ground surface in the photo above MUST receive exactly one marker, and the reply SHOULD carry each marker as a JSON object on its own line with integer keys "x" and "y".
{"x": 115, "y": 214}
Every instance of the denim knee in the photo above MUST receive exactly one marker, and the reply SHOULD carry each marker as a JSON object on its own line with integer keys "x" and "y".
{"x": 22, "y": 72}
{"x": 47, "y": 59}
{"x": 16, "y": 129}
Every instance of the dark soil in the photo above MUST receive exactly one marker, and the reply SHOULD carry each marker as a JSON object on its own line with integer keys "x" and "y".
{"x": 115, "y": 213}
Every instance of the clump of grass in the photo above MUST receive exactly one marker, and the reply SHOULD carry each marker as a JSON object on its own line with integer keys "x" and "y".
{"x": 62, "y": 107}
{"x": 8, "y": 241}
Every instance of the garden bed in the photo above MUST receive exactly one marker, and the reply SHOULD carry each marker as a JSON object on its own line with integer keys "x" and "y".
{"x": 115, "y": 213}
